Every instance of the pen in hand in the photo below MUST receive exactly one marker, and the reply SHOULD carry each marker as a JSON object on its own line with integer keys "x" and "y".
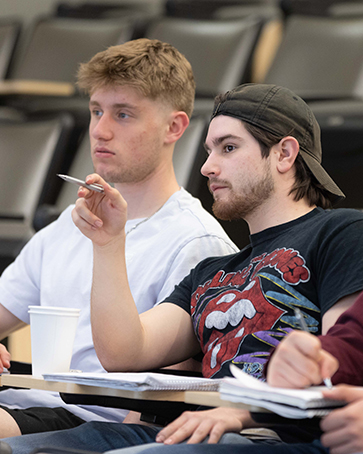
{"x": 94, "y": 187}
{"x": 303, "y": 326}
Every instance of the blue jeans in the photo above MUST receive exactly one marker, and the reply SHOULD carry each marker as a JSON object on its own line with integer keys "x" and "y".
{"x": 91, "y": 436}
{"x": 254, "y": 448}
{"x": 99, "y": 437}
{"x": 102, "y": 436}
{"x": 227, "y": 438}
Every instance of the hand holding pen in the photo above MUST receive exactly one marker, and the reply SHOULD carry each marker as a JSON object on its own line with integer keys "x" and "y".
{"x": 100, "y": 212}
{"x": 303, "y": 325}
{"x": 299, "y": 361}
{"x": 94, "y": 187}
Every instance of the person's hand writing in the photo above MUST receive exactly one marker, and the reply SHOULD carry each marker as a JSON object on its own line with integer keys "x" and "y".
{"x": 197, "y": 425}
{"x": 100, "y": 216}
{"x": 4, "y": 358}
{"x": 343, "y": 428}
{"x": 299, "y": 361}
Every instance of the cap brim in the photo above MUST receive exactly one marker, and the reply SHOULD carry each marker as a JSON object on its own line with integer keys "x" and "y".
{"x": 335, "y": 193}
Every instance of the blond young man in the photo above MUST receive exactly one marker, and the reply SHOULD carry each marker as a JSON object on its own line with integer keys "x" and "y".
{"x": 141, "y": 99}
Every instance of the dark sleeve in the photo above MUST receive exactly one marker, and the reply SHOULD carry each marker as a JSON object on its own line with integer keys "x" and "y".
{"x": 340, "y": 263}
{"x": 344, "y": 340}
{"x": 181, "y": 295}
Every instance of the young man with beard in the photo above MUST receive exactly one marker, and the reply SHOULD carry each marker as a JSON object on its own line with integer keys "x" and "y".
{"x": 141, "y": 99}
{"x": 302, "y": 360}
{"x": 263, "y": 164}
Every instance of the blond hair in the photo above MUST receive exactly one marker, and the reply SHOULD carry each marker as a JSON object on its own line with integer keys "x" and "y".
{"x": 156, "y": 69}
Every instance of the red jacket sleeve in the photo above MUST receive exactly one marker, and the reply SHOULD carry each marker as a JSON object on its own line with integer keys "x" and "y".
{"x": 344, "y": 340}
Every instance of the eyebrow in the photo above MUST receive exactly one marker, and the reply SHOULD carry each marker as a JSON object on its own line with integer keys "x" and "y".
{"x": 218, "y": 140}
{"x": 114, "y": 106}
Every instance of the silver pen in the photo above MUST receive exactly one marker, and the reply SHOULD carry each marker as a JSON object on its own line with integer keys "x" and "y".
{"x": 304, "y": 327}
{"x": 94, "y": 187}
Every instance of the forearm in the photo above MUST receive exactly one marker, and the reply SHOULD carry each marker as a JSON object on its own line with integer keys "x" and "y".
{"x": 8, "y": 322}
{"x": 116, "y": 327}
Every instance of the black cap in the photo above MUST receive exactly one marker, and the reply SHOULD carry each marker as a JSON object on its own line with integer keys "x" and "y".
{"x": 281, "y": 112}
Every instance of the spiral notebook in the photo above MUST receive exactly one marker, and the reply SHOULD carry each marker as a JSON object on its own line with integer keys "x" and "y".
{"x": 290, "y": 403}
{"x": 138, "y": 381}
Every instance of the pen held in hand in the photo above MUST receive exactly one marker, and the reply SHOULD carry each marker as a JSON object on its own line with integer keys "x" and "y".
{"x": 94, "y": 187}
{"x": 304, "y": 327}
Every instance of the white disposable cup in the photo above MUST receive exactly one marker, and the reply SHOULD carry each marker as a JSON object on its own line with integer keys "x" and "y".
{"x": 53, "y": 330}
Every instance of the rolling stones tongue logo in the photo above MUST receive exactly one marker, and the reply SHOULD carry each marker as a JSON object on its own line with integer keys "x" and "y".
{"x": 228, "y": 318}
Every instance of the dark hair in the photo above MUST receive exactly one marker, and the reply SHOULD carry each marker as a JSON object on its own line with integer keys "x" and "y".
{"x": 306, "y": 185}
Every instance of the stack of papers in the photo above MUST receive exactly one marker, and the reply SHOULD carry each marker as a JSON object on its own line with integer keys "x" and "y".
{"x": 138, "y": 381}
{"x": 290, "y": 403}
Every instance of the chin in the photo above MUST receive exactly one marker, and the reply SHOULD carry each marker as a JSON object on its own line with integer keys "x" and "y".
{"x": 222, "y": 211}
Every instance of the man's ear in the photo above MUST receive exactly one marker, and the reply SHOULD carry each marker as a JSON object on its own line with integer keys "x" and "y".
{"x": 177, "y": 125}
{"x": 287, "y": 151}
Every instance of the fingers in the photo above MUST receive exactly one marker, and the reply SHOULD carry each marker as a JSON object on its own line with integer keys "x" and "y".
{"x": 95, "y": 179}
{"x": 294, "y": 364}
{"x": 216, "y": 434}
{"x": 4, "y": 358}
{"x": 328, "y": 364}
{"x": 345, "y": 392}
{"x": 288, "y": 374}
{"x": 343, "y": 428}
{"x": 83, "y": 217}
{"x": 94, "y": 209}
{"x": 179, "y": 430}
{"x": 195, "y": 430}
{"x": 341, "y": 442}
{"x": 197, "y": 426}
{"x": 205, "y": 428}
{"x": 299, "y": 361}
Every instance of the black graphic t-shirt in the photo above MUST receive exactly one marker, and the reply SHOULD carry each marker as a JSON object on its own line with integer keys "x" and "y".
{"x": 243, "y": 304}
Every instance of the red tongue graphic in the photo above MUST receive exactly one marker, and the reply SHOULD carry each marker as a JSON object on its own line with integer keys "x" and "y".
{"x": 223, "y": 346}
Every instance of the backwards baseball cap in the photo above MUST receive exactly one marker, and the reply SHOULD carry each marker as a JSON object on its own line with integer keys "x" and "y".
{"x": 282, "y": 113}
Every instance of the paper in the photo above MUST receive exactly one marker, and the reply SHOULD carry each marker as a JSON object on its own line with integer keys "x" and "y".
{"x": 291, "y": 403}
{"x": 138, "y": 381}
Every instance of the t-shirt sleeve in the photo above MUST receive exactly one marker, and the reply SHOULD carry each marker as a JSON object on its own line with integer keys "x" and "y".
{"x": 181, "y": 296}
{"x": 20, "y": 282}
{"x": 340, "y": 263}
{"x": 189, "y": 255}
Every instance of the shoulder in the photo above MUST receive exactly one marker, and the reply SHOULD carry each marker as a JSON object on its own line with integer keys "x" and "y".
{"x": 216, "y": 264}
{"x": 336, "y": 229}
{"x": 341, "y": 215}
{"x": 338, "y": 219}
{"x": 187, "y": 215}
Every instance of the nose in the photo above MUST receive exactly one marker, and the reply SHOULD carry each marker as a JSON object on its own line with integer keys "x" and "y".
{"x": 210, "y": 167}
{"x": 101, "y": 128}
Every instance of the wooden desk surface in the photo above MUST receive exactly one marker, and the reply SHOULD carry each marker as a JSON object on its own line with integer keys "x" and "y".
{"x": 28, "y": 381}
{"x": 207, "y": 398}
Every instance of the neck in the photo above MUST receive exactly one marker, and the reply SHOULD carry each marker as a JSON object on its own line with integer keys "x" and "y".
{"x": 145, "y": 197}
{"x": 273, "y": 214}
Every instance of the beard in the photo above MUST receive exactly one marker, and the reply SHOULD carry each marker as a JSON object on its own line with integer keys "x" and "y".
{"x": 240, "y": 205}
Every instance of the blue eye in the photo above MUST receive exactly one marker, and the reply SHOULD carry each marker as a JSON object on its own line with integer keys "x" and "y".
{"x": 96, "y": 112}
{"x": 229, "y": 148}
{"x": 123, "y": 115}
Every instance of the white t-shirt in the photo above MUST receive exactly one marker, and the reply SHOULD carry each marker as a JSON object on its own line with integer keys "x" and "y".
{"x": 55, "y": 269}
